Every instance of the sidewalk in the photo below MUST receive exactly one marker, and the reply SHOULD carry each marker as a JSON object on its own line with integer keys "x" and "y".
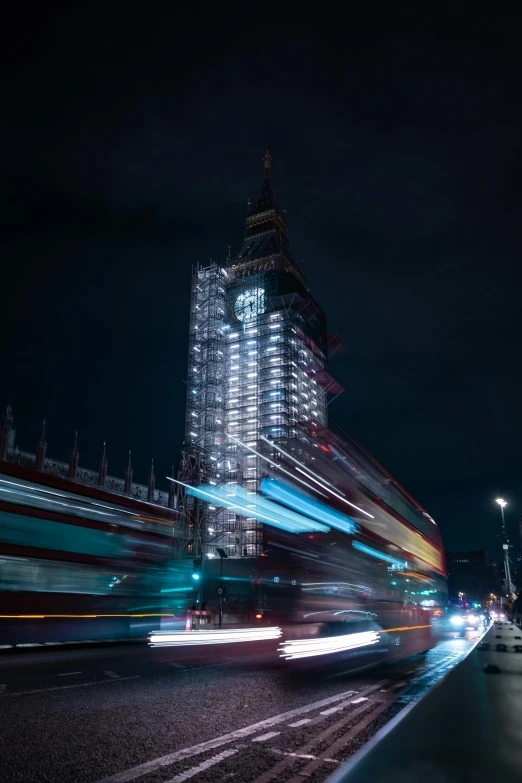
{"x": 467, "y": 728}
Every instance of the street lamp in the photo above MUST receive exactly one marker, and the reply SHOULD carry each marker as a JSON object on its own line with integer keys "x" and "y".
{"x": 501, "y": 502}
{"x": 505, "y": 544}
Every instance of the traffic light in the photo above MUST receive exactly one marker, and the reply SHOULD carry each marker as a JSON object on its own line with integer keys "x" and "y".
{"x": 196, "y": 571}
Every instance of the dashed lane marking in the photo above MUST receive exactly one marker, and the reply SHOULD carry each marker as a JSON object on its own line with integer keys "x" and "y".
{"x": 339, "y": 707}
{"x": 300, "y": 722}
{"x": 76, "y": 685}
{"x": 149, "y": 766}
{"x": 112, "y": 675}
{"x": 267, "y": 736}
{"x": 338, "y": 745}
{"x": 68, "y": 674}
{"x": 316, "y": 741}
{"x": 293, "y": 755}
{"x": 359, "y": 700}
{"x": 189, "y": 773}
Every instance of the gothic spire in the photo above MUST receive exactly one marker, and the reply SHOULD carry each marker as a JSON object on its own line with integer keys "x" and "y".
{"x": 73, "y": 460}
{"x": 268, "y": 163}
{"x": 5, "y": 432}
{"x": 266, "y": 200}
{"x": 152, "y": 484}
{"x": 266, "y": 235}
{"x": 172, "y": 491}
{"x": 102, "y": 472}
{"x": 41, "y": 448}
{"x": 127, "y": 486}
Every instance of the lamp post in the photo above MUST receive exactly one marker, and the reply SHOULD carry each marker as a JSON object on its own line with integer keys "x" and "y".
{"x": 221, "y": 590}
{"x": 505, "y": 544}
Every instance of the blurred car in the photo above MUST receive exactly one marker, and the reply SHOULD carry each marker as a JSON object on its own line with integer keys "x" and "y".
{"x": 462, "y": 620}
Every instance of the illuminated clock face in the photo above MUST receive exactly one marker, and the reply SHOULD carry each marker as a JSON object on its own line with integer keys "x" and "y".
{"x": 250, "y": 304}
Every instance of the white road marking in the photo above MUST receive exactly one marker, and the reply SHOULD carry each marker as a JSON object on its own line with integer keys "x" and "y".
{"x": 77, "y": 685}
{"x": 68, "y": 674}
{"x": 267, "y": 736}
{"x": 359, "y": 700}
{"x": 300, "y": 722}
{"x": 294, "y": 755}
{"x": 301, "y": 755}
{"x": 32, "y": 644}
{"x": 177, "y": 665}
{"x": 189, "y": 773}
{"x": 202, "y": 747}
{"x": 339, "y": 707}
{"x": 112, "y": 675}
{"x": 6, "y": 646}
{"x": 397, "y": 686}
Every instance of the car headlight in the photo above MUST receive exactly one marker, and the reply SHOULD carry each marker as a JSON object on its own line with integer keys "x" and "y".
{"x": 456, "y": 619}
{"x": 472, "y": 618}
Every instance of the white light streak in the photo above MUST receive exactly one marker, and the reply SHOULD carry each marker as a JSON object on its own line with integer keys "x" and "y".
{"x": 213, "y": 636}
{"x": 306, "y": 472}
{"x": 275, "y": 465}
{"x": 307, "y": 648}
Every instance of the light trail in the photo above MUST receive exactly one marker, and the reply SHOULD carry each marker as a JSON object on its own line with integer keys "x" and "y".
{"x": 308, "y": 648}
{"x": 308, "y": 473}
{"x": 282, "y": 451}
{"x": 275, "y": 465}
{"x": 216, "y": 636}
{"x": 294, "y": 524}
{"x": 283, "y": 493}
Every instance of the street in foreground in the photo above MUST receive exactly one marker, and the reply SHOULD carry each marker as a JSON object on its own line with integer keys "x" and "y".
{"x": 130, "y": 713}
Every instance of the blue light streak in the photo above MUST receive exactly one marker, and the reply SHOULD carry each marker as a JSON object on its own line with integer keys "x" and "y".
{"x": 259, "y": 508}
{"x": 284, "y": 493}
{"x": 379, "y": 555}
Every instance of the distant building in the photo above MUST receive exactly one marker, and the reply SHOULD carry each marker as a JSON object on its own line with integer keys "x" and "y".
{"x": 472, "y": 575}
{"x": 72, "y": 471}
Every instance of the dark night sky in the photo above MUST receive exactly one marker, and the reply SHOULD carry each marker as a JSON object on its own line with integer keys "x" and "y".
{"x": 131, "y": 145}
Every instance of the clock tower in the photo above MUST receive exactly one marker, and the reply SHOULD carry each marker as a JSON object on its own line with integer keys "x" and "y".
{"x": 257, "y": 370}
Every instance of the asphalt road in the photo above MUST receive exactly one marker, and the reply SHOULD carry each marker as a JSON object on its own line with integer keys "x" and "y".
{"x": 168, "y": 715}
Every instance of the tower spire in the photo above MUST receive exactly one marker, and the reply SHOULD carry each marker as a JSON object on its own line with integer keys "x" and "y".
{"x": 172, "y": 491}
{"x": 75, "y": 456}
{"x": 152, "y": 483}
{"x": 5, "y": 432}
{"x": 127, "y": 486}
{"x": 102, "y": 473}
{"x": 268, "y": 163}
{"x": 41, "y": 448}
{"x": 265, "y": 246}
